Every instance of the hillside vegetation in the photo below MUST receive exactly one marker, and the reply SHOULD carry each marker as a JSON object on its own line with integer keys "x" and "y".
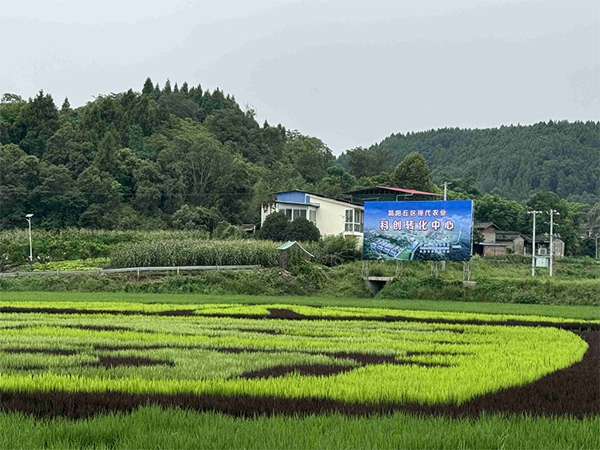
{"x": 182, "y": 157}
{"x": 510, "y": 161}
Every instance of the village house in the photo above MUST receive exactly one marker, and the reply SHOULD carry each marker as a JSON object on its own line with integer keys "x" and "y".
{"x": 330, "y": 216}
{"x": 499, "y": 242}
{"x": 334, "y": 216}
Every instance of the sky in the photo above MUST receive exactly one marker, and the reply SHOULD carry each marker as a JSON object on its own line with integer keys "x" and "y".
{"x": 348, "y": 72}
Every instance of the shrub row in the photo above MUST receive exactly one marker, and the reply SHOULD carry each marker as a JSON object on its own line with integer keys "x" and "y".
{"x": 534, "y": 291}
{"x": 190, "y": 252}
{"x": 74, "y": 243}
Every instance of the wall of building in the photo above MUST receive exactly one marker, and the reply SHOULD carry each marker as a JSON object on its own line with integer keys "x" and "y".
{"x": 330, "y": 214}
{"x": 292, "y": 196}
{"x": 493, "y": 250}
{"x": 489, "y": 234}
{"x": 519, "y": 246}
{"x": 331, "y": 217}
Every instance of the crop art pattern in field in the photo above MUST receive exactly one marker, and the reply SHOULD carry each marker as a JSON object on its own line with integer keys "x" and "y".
{"x": 351, "y": 355}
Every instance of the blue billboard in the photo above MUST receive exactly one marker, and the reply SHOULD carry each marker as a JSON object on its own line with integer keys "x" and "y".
{"x": 421, "y": 231}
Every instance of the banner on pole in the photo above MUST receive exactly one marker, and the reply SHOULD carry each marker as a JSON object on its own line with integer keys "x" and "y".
{"x": 418, "y": 230}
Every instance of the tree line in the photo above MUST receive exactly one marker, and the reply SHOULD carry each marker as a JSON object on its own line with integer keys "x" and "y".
{"x": 185, "y": 157}
{"x": 511, "y": 161}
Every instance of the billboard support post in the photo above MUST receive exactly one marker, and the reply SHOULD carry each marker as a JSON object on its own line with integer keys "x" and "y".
{"x": 446, "y": 184}
{"x": 365, "y": 269}
{"x": 467, "y": 271}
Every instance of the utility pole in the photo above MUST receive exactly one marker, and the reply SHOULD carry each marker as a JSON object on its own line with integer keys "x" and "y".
{"x": 28, "y": 217}
{"x": 552, "y": 212}
{"x": 533, "y": 242}
{"x": 597, "y": 236}
{"x": 446, "y": 184}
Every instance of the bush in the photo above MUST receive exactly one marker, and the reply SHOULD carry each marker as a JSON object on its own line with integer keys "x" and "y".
{"x": 196, "y": 218}
{"x": 339, "y": 250}
{"x": 302, "y": 230}
{"x": 274, "y": 227}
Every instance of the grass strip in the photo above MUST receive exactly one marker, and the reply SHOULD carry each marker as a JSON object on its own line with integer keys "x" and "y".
{"x": 573, "y": 312}
{"x": 155, "y": 428}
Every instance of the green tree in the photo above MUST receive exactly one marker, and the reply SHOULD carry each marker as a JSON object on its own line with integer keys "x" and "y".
{"x": 57, "y": 200}
{"x": 103, "y": 195}
{"x": 195, "y": 218}
{"x": 167, "y": 88}
{"x": 106, "y": 156}
{"x": 198, "y": 171}
{"x": 274, "y": 227}
{"x": 66, "y": 106}
{"x": 591, "y": 220}
{"x": 413, "y": 173}
{"x": 148, "y": 87}
{"x": 135, "y": 141}
{"x": 368, "y": 163}
{"x": 506, "y": 214}
{"x": 301, "y": 229}
{"x": 11, "y": 106}
{"x": 40, "y": 119}
{"x": 19, "y": 175}
{"x": 336, "y": 182}
{"x": 309, "y": 155}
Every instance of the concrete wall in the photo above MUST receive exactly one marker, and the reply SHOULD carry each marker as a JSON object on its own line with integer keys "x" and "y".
{"x": 331, "y": 216}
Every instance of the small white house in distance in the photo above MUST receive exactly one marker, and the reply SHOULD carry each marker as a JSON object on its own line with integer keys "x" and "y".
{"x": 331, "y": 216}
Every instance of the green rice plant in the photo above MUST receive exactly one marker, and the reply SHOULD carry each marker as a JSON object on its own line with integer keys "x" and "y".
{"x": 155, "y": 428}
{"x": 544, "y": 311}
{"x": 202, "y": 354}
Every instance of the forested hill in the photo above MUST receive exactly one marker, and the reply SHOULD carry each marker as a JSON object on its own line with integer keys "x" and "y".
{"x": 511, "y": 161}
{"x": 181, "y": 156}
{"x": 172, "y": 156}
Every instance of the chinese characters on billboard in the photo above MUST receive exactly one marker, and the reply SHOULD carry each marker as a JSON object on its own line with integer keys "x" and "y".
{"x": 425, "y": 231}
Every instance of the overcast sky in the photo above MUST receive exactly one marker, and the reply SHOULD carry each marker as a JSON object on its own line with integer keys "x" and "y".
{"x": 350, "y": 73}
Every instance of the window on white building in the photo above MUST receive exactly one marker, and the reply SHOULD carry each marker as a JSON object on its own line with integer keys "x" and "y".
{"x": 294, "y": 213}
{"x": 354, "y": 220}
{"x": 299, "y": 213}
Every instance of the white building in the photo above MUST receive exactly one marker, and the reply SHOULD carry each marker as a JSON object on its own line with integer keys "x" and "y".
{"x": 331, "y": 216}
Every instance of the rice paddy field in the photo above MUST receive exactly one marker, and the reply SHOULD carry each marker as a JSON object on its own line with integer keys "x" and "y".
{"x": 115, "y": 370}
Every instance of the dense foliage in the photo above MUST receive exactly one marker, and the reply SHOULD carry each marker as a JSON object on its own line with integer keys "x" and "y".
{"x": 278, "y": 228}
{"x": 510, "y": 161}
{"x": 185, "y": 158}
{"x": 180, "y": 157}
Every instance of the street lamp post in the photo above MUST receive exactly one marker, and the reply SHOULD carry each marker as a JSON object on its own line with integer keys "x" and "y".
{"x": 28, "y": 217}
{"x": 552, "y": 212}
{"x": 533, "y": 243}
